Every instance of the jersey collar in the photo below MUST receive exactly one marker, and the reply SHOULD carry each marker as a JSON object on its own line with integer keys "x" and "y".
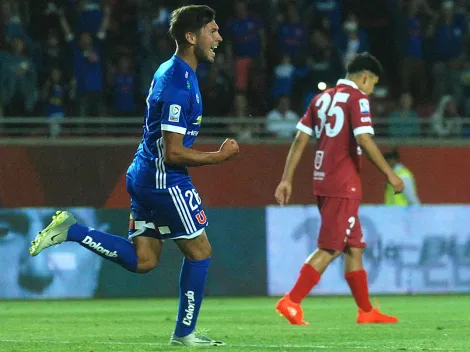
{"x": 347, "y": 82}
{"x": 184, "y": 63}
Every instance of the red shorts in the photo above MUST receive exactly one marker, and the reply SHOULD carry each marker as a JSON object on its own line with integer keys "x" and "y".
{"x": 340, "y": 225}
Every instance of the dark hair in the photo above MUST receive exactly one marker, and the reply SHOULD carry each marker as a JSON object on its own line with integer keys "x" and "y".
{"x": 189, "y": 19}
{"x": 393, "y": 154}
{"x": 364, "y": 62}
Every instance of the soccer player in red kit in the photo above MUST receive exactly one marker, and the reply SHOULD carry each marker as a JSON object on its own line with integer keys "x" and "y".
{"x": 340, "y": 120}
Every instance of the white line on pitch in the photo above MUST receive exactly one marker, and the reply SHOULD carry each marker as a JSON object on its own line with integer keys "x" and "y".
{"x": 158, "y": 344}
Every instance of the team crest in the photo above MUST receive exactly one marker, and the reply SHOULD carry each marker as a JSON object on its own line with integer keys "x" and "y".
{"x": 319, "y": 159}
{"x": 201, "y": 217}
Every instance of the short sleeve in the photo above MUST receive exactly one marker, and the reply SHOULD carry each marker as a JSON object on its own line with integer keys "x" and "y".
{"x": 305, "y": 124}
{"x": 361, "y": 120}
{"x": 173, "y": 117}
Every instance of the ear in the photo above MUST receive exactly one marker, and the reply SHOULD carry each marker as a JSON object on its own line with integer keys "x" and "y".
{"x": 190, "y": 37}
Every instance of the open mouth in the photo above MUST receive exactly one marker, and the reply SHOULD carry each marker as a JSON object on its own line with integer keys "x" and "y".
{"x": 213, "y": 49}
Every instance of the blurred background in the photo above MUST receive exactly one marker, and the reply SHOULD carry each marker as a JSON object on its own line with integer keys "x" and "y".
{"x": 74, "y": 76}
{"x": 92, "y": 59}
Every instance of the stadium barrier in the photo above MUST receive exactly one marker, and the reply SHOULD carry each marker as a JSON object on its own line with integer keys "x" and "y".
{"x": 128, "y": 130}
{"x": 256, "y": 251}
{"x": 422, "y": 249}
{"x": 94, "y": 176}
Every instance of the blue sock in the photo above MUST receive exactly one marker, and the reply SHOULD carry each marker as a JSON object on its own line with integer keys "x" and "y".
{"x": 115, "y": 248}
{"x": 192, "y": 282}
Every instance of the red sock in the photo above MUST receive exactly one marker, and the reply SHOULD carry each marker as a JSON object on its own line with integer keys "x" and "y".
{"x": 357, "y": 281}
{"x": 307, "y": 279}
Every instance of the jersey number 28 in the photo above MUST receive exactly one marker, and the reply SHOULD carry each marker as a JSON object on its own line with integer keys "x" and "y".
{"x": 328, "y": 109}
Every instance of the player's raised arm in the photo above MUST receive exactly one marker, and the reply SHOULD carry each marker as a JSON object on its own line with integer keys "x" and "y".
{"x": 175, "y": 153}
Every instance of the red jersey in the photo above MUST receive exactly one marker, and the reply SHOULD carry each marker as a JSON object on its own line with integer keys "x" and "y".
{"x": 335, "y": 117}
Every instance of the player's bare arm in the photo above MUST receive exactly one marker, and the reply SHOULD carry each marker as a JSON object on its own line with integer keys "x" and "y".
{"x": 366, "y": 142}
{"x": 177, "y": 154}
{"x": 284, "y": 189}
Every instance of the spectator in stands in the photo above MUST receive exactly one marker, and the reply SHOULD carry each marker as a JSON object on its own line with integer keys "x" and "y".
{"x": 13, "y": 24}
{"x": 282, "y": 122}
{"x": 330, "y": 9}
{"x": 217, "y": 90}
{"x": 89, "y": 16}
{"x": 448, "y": 34}
{"x": 323, "y": 61}
{"x": 352, "y": 40}
{"x": 413, "y": 70}
{"x": 53, "y": 56}
{"x": 153, "y": 56}
{"x": 283, "y": 77}
{"x": 55, "y": 94}
{"x": 122, "y": 81}
{"x": 446, "y": 121}
{"x": 291, "y": 33}
{"x": 20, "y": 80}
{"x": 88, "y": 65}
{"x": 245, "y": 43}
{"x": 404, "y": 122}
{"x": 243, "y": 131}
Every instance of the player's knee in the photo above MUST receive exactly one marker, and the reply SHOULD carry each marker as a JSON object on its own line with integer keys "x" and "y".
{"x": 331, "y": 253}
{"x": 145, "y": 266}
{"x": 200, "y": 253}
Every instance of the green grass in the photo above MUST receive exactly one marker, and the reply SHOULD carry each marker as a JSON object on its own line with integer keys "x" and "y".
{"x": 427, "y": 323}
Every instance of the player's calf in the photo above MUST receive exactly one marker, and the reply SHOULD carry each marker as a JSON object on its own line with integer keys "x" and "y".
{"x": 64, "y": 227}
{"x": 192, "y": 282}
{"x": 148, "y": 251}
{"x": 321, "y": 258}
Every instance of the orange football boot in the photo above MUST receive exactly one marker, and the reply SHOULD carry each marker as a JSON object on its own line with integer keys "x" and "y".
{"x": 375, "y": 317}
{"x": 291, "y": 311}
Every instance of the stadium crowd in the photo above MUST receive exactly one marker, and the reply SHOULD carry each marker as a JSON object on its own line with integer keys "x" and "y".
{"x": 97, "y": 57}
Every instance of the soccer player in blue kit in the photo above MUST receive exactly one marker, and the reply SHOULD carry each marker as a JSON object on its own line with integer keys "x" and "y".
{"x": 164, "y": 203}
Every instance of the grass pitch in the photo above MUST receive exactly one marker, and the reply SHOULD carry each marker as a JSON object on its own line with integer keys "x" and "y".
{"x": 427, "y": 323}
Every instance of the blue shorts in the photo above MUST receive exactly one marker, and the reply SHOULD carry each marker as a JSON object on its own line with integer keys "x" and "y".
{"x": 171, "y": 213}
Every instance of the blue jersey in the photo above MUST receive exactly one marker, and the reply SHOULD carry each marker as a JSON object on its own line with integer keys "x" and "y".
{"x": 173, "y": 104}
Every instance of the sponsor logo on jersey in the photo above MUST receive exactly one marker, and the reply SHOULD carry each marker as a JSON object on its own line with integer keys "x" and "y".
{"x": 318, "y": 176}
{"x": 364, "y": 106}
{"x": 175, "y": 112}
{"x": 197, "y": 98}
{"x": 97, "y": 247}
{"x": 198, "y": 121}
{"x": 192, "y": 133}
{"x": 190, "y": 309}
{"x": 366, "y": 119}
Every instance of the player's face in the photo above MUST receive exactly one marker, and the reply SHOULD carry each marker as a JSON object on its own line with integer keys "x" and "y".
{"x": 369, "y": 82}
{"x": 208, "y": 40}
